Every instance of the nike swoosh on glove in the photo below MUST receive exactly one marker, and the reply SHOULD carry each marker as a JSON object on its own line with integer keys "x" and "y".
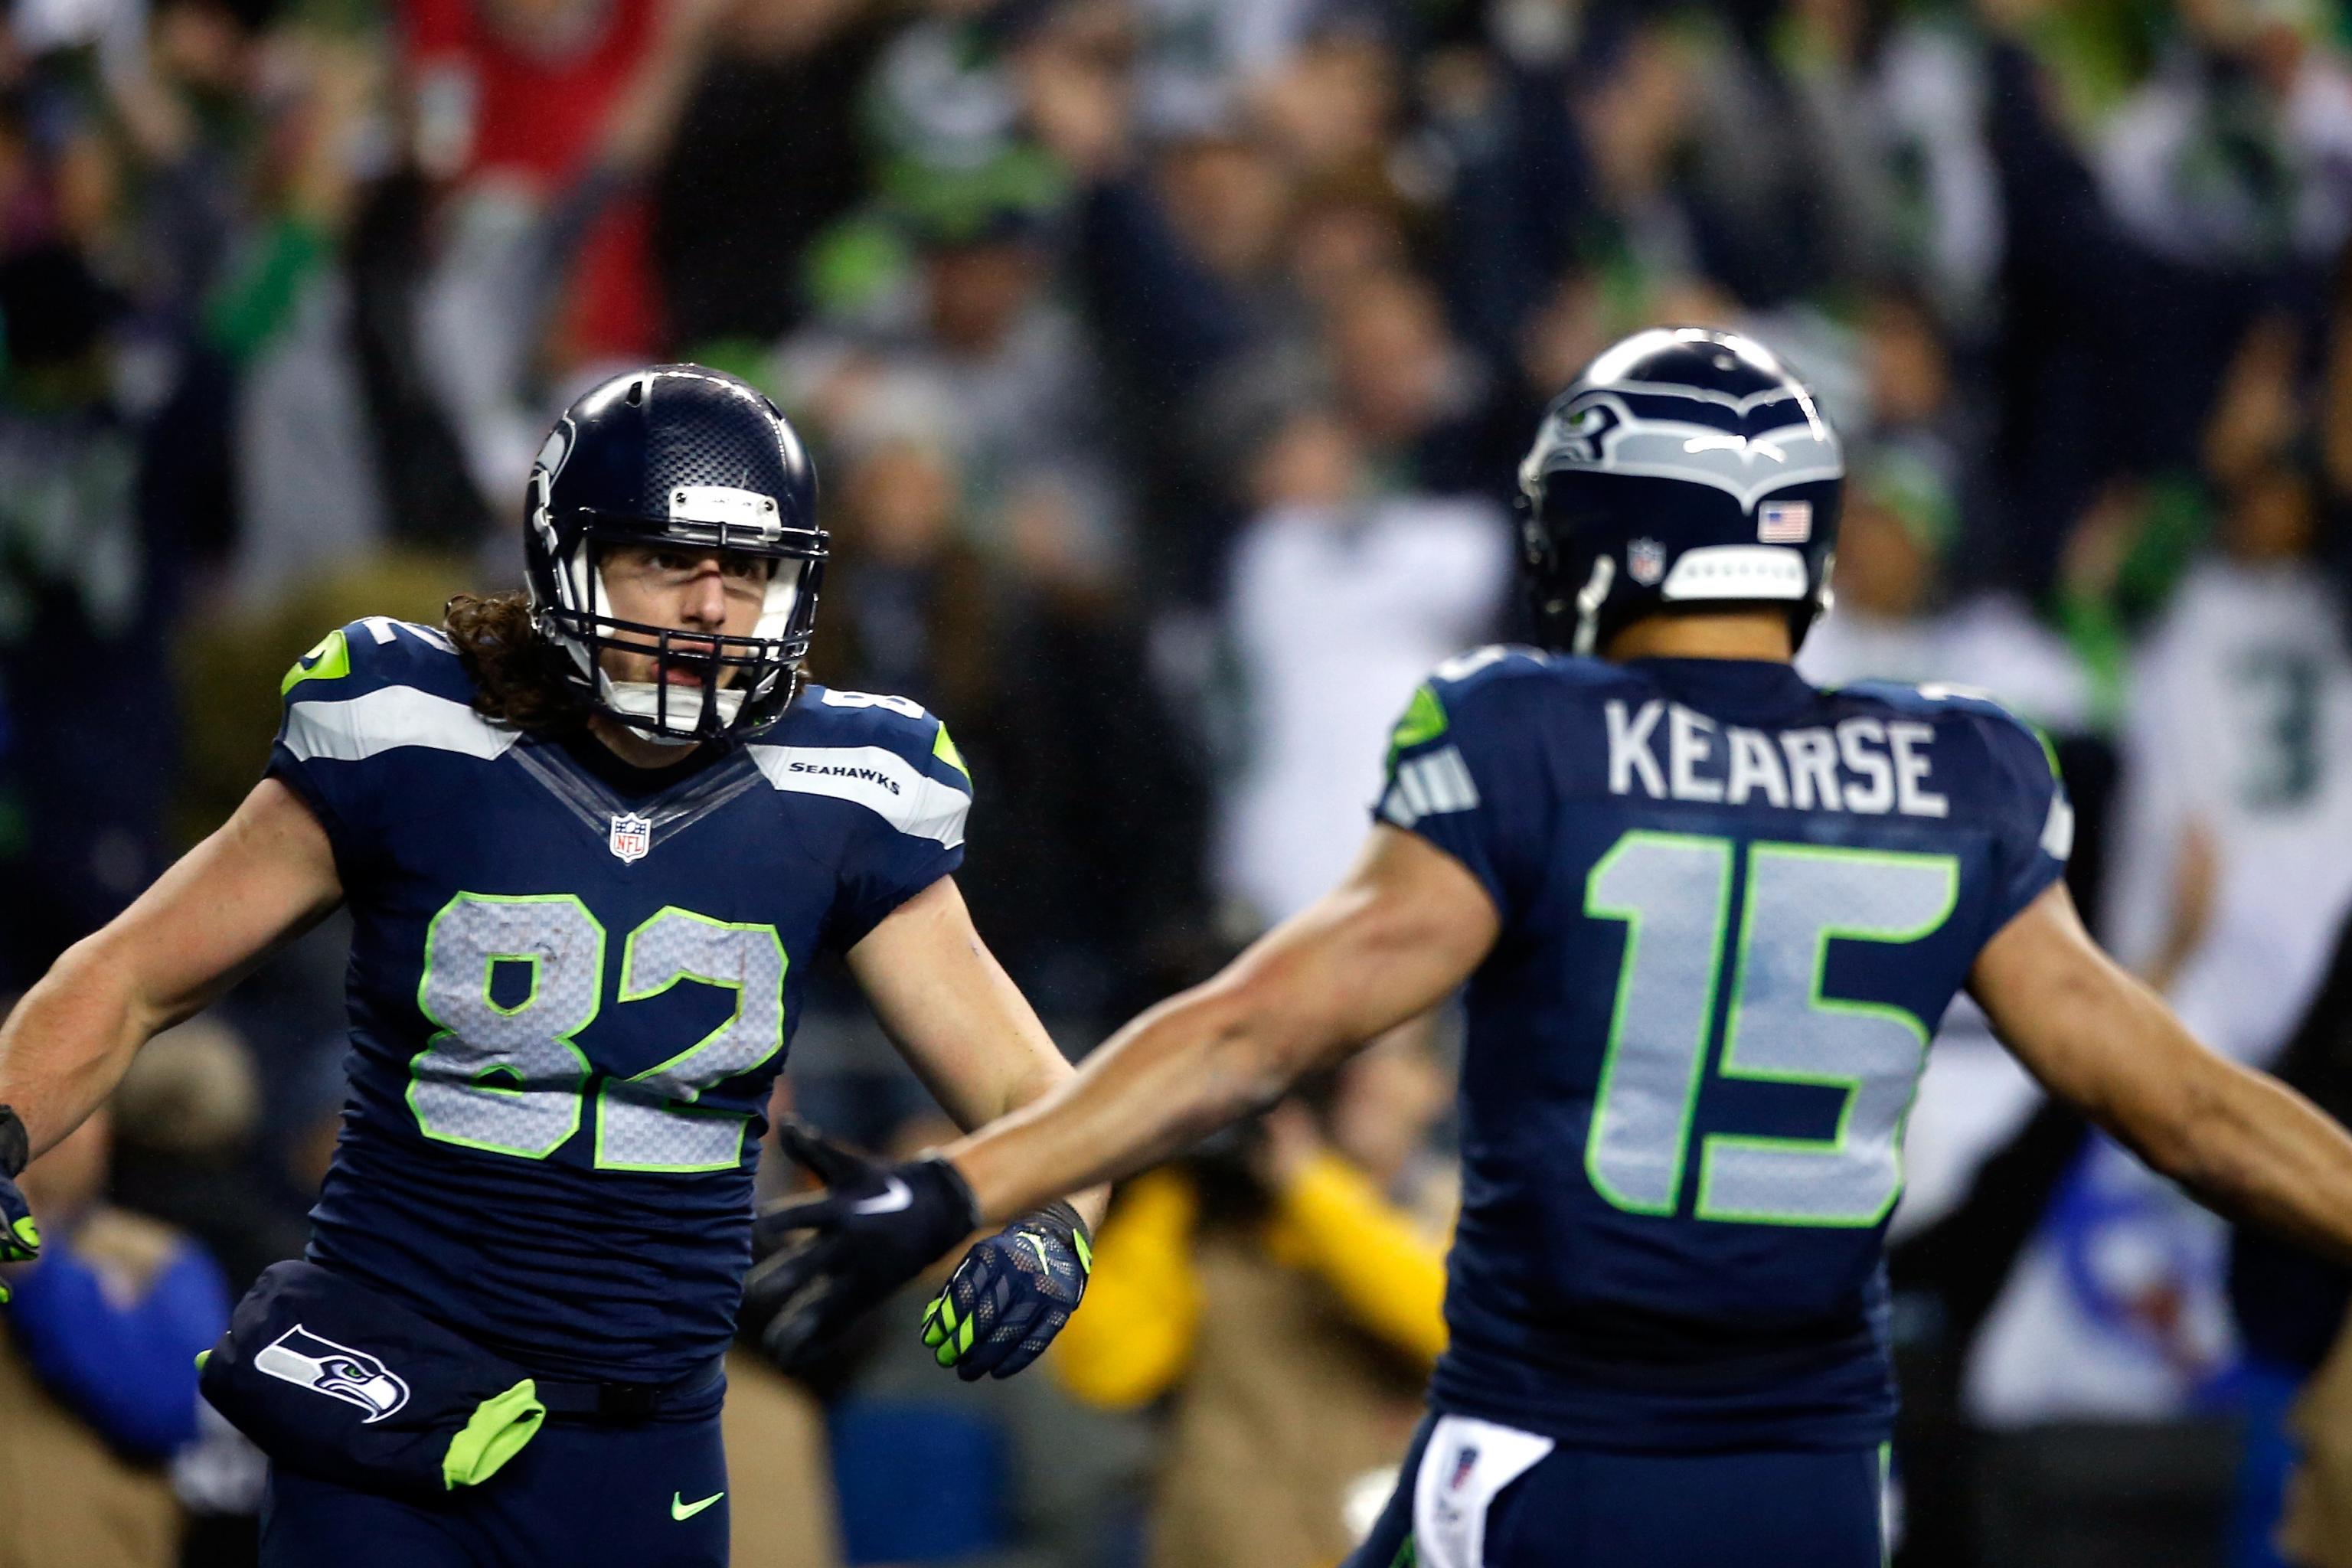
{"x": 20, "y": 1239}
{"x": 822, "y": 1262}
{"x": 1010, "y": 1295}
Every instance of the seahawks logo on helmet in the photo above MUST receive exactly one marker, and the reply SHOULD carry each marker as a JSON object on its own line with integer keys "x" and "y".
{"x": 1580, "y": 431}
{"x": 310, "y": 1361}
{"x": 1679, "y": 433}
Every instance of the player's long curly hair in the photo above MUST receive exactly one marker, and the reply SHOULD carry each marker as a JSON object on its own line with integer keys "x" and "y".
{"x": 520, "y": 678}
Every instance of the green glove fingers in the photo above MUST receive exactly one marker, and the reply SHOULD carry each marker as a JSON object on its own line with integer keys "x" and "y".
{"x": 947, "y": 1338}
{"x": 20, "y": 1237}
{"x": 19, "y": 1243}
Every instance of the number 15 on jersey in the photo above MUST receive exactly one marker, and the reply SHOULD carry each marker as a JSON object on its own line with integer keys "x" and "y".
{"x": 1673, "y": 893}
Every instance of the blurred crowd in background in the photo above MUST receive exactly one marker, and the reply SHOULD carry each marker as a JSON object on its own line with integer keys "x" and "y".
{"x": 1167, "y": 365}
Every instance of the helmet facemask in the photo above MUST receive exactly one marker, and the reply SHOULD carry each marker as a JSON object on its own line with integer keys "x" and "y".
{"x": 739, "y": 682}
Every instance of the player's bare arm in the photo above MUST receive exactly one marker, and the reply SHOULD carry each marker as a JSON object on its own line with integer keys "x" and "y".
{"x": 265, "y": 876}
{"x": 1403, "y": 932}
{"x": 2101, "y": 1040}
{"x": 956, "y": 1015}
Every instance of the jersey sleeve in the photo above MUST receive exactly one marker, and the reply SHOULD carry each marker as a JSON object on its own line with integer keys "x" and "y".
{"x": 2033, "y": 829}
{"x": 914, "y": 835}
{"x": 304, "y": 756}
{"x": 1465, "y": 773}
{"x": 374, "y": 688}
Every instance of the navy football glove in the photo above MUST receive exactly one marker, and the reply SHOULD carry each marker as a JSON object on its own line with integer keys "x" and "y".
{"x": 20, "y": 1239}
{"x": 822, "y": 1262}
{"x": 1010, "y": 1295}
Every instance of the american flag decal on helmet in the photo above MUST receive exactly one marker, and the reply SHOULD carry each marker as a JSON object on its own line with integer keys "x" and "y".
{"x": 1784, "y": 522}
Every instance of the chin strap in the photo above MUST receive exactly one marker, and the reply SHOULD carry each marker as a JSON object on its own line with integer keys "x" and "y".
{"x": 681, "y": 724}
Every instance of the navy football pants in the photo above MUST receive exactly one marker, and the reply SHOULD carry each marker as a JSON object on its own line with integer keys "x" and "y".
{"x": 1475, "y": 1495}
{"x": 577, "y": 1496}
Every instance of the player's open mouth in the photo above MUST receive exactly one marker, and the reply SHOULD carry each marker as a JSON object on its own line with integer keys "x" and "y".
{"x": 688, "y": 665}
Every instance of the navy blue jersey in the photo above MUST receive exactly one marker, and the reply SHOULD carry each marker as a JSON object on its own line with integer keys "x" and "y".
{"x": 1734, "y": 910}
{"x": 569, "y": 997}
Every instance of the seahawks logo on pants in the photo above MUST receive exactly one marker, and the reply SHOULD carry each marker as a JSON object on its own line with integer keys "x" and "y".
{"x": 302, "y": 1358}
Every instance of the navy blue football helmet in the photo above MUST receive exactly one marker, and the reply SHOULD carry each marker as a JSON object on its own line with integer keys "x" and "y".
{"x": 675, "y": 454}
{"x": 1685, "y": 466}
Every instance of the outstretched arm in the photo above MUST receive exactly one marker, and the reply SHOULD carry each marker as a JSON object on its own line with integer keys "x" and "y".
{"x": 2240, "y": 1141}
{"x": 1408, "y": 926}
{"x": 264, "y": 877}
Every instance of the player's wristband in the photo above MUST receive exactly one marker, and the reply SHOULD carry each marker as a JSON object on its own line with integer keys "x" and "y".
{"x": 16, "y": 1145}
{"x": 956, "y": 1211}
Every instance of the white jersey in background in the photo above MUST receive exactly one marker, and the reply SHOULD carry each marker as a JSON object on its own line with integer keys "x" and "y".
{"x": 1335, "y": 616}
{"x": 2240, "y": 720}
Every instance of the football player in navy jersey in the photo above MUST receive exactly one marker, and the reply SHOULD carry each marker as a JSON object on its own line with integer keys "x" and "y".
{"x": 590, "y": 840}
{"x": 1707, "y": 918}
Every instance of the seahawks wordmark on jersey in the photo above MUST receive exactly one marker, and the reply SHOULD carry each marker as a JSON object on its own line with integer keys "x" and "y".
{"x": 570, "y": 988}
{"x": 1733, "y": 909}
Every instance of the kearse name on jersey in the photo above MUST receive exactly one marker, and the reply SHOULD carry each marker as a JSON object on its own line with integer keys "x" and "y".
{"x": 1863, "y": 764}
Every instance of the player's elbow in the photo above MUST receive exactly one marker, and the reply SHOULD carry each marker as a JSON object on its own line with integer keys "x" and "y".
{"x": 94, "y": 973}
{"x": 2186, "y": 1126}
{"x": 2215, "y": 1142}
{"x": 1253, "y": 1057}
{"x": 2169, "y": 1143}
{"x": 107, "y": 969}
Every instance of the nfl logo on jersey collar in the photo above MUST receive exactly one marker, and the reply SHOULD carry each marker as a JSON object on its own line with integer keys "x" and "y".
{"x": 632, "y": 836}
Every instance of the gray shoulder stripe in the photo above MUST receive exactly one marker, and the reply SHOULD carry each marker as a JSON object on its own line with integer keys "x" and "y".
{"x": 1432, "y": 786}
{"x": 388, "y": 719}
{"x": 880, "y": 780}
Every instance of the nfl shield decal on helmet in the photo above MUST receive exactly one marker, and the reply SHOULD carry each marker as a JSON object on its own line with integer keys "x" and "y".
{"x": 1784, "y": 522}
{"x": 1645, "y": 561}
{"x": 632, "y": 836}
{"x": 319, "y": 1365}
